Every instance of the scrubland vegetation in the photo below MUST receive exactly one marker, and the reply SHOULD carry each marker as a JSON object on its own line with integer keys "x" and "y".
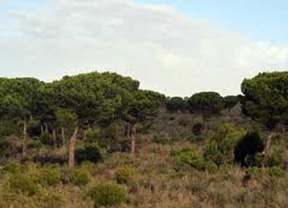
{"x": 96, "y": 140}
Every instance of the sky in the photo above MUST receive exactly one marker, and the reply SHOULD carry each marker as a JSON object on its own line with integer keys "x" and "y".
{"x": 174, "y": 47}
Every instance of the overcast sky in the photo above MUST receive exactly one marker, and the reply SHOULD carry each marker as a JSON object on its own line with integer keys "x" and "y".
{"x": 174, "y": 47}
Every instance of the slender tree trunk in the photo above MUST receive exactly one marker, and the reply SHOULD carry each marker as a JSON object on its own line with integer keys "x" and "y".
{"x": 84, "y": 135}
{"x": 42, "y": 130}
{"x": 128, "y": 131}
{"x": 265, "y": 152}
{"x": 63, "y": 136}
{"x": 71, "y": 161}
{"x": 54, "y": 138}
{"x": 46, "y": 127}
{"x": 133, "y": 138}
{"x": 24, "y": 147}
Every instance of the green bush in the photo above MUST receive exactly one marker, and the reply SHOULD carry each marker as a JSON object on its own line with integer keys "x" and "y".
{"x": 13, "y": 168}
{"x": 275, "y": 159}
{"x": 190, "y": 157}
{"x": 247, "y": 149}
{"x": 185, "y": 156}
{"x": 197, "y": 129}
{"x": 107, "y": 194}
{"x": 210, "y": 166}
{"x": 50, "y": 200}
{"x": 255, "y": 171}
{"x": 160, "y": 140}
{"x": 198, "y": 163}
{"x": 276, "y": 171}
{"x": 23, "y": 184}
{"x": 124, "y": 174}
{"x": 89, "y": 153}
{"x": 46, "y": 139}
{"x": 79, "y": 178}
{"x": 220, "y": 147}
{"x": 48, "y": 177}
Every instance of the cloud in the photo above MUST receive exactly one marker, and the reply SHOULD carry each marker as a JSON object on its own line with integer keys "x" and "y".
{"x": 165, "y": 50}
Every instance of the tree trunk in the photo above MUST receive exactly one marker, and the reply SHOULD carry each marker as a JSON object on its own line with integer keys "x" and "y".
{"x": 71, "y": 161}
{"x": 46, "y": 127}
{"x": 54, "y": 138}
{"x": 128, "y": 131}
{"x": 24, "y": 146}
{"x": 42, "y": 130}
{"x": 63, "y": 136}
{"x": 265, "y": 152}
{"x": 133, "y": 138}
{"x": 84, "y": 135}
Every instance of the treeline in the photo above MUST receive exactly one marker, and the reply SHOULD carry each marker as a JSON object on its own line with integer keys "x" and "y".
{"x": 72, "y": 105}
{"x": 74, "y": 102}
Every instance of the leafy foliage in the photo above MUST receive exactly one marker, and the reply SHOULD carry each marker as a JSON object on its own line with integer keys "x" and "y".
{"x": 248, "y": 148}
{"x": 207, "y": 103}
{"x": 176, "y": 104}
{"x": 89, "y": 153}
{"x": 230, "y": 101}
{"x": 266, "y": 98}
{"x": 106, "y": 194}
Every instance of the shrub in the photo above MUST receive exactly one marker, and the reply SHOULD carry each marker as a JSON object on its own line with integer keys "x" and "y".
{"x": 107, "y": 194}
{"x": 13, "y": 168}
{"x": 89, "y": 153}
{"x": 50, "y": 200}
{"x": 210, "y": 166}
{"x": 183, "y": 122}
{"x": 124, "y": 174}
{"x": 275, "y": 159}
{"x": 212, "y": 152}
{"x": 198, "y": 163}
{"x": 254, "y": 160}
{"x": 220, "y": 147}
{"x": 79, "y": 178}
{"x": 247, "y": 148}
{"x": 121, "y": 146}
{"x": 197, "y": 129}
{"x": 46, "y": 139}
{"x": 23, "y": 184}
{"x": 276, "y": 171}
{"x": 255, "y": 171}
{"x": 186, "y": 156}
{"x": 191, "y": 158}
{"x": 160, "y": 140}
{"x": 48, "y": 177}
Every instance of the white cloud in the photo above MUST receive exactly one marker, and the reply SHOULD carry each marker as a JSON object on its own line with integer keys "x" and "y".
{"x": 165, "y": 50}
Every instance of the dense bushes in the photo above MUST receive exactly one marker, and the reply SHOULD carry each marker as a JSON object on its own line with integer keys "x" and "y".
{"x": 106, "y": 194}
{"x": 190, "y": 157}
{"x": 124, "y": 174}
{"x": 248, "y": 150}
{"x": 48, "y": 177}
{"x": 23, "y": 184}
{"x": 89, "y": 153}
{"x": 220, "y": 148}
{"x": 79, "y": 177}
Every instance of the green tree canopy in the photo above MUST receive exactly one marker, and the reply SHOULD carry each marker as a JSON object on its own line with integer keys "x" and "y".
{"x": 176, "y": 104}
{"x": 266, "y": 98}
{"x": 230, "y": 101}
{"x": 206, "y": 103}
